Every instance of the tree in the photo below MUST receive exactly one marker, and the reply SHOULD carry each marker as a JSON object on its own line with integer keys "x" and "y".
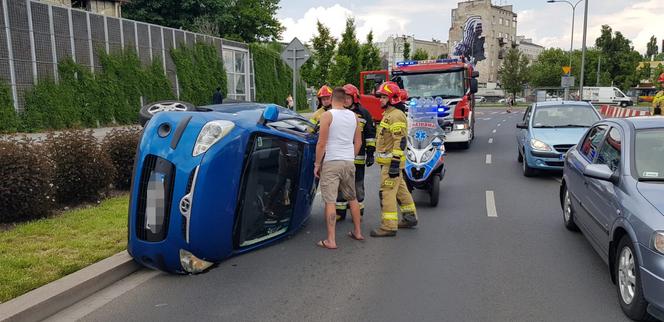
{"x": 370, "y": 55}
{"x": 339, "y": 70}
{"x": 420, "y": 54}
{"x": 316, "y": 71}
{"x": 652, "y": 48}
{"x": 246, "y": 20}
{"x": 619, "y": 58}
{"x": 514, "y": 71}
{"x": 350, "y": 48}
{"x": 406, "y": 50}
{"x": 546, "y": 71}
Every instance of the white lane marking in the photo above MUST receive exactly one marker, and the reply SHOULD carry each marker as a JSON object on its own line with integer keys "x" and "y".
{"x": 488, "y": 159}
{"x": 494, "y": 131}
{"x": 103, "y": 297}
{"x": 491, "y": 204}
{"x": 490, "y": 140}
{"x": 487, "y": 119}
{"x": 495, "y": 112}
{"x": 504, "y": 121}
{"x": 499, "y": 124}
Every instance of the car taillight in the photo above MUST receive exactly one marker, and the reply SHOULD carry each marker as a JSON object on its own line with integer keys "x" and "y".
{"x": 462, "y": 109}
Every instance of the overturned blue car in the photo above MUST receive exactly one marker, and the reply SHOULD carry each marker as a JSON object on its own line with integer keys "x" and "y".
{"x": 216, "y": 181}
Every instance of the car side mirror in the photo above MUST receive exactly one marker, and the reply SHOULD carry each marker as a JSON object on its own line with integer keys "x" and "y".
{"x": 521, "y": 125}
{"x": 600, "y": 172}
{"x": 473, "y": 85}
{"x": 270, "y": 114}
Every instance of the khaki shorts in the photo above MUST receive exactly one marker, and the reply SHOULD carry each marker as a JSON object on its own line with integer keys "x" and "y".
{"x": 337, "y": 176}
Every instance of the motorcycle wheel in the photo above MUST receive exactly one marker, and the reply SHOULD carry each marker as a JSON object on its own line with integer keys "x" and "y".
{"x": 434, "y": 192}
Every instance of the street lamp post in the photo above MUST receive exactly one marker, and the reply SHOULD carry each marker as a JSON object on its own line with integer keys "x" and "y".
{"x": 571, "y": 42}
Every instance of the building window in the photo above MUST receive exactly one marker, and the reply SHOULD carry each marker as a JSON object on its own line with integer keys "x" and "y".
{"x": 500, "y": 34}
{"x": 500, "y": 21}
{"x": 236, "y": 71}
{"x": 493, "y": 20}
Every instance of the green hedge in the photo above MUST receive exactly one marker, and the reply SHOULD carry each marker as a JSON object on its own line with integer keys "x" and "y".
{"x": 274, "y": 78}
{"x": 9, "y": 121}
{"x": 200, "y": 71}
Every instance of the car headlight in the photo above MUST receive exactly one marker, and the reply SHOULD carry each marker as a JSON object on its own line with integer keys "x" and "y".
{"x": 460, "y": 126}
{"x": 658, "y": 241}
{"x": 210, "y": 134}
{"x": 411, "y": 156}
{"x": 191, "y": 263}
{"x": 538, "y": 145}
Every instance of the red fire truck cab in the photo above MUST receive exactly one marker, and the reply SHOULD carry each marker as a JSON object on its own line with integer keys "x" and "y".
{"x": 454, "y": 80}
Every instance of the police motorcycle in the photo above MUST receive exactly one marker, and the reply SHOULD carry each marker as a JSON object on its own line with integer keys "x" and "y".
{"x": 425, "y": 151}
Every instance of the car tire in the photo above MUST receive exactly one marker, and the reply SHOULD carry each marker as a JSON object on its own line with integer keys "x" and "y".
{"x": 568, "y": 211}
{"x": 464, "y": 145}
{"x": 527, "y": 170}
{"x": 434, "y": 194}
{"x": 519, "y": 157}
{"x": 628, "y": 281}
{"x": 623, "y": 104}
{"x": 149, "y": 110}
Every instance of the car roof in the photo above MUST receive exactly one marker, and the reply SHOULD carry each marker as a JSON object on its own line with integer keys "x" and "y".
{"x": 645, "y": 122}
{"x": 559, "y": 103}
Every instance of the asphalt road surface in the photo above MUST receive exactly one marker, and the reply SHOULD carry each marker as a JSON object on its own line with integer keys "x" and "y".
{"x": 464, "y": 262}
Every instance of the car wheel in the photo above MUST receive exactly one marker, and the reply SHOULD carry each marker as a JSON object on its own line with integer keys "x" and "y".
{"x": 568, "y": 211}
{"x": 527, "y": 170}
{"x": 623, "y": 104}
{"x": 149, "y": 110}
{"x": 519, "y": 157}
{"x": 628, "y": 281}
{"x": 435, "y": 190}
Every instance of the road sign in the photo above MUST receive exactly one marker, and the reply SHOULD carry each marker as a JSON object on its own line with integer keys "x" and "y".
{"x": 567, "y": 81}
{"x": 567, "y": 69}
{"x": 295, "y": 55}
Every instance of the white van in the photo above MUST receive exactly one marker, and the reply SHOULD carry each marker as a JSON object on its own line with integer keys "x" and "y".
{"x": 606, "y": 95}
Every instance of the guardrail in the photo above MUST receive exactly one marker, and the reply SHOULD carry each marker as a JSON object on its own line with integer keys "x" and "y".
{"x": 620, "y": 112}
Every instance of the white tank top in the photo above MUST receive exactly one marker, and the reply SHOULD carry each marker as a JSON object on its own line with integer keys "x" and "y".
{"x": 341, "y": 136}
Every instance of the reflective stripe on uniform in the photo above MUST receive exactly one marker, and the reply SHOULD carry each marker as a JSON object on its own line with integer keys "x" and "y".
{"x": 361, "y": 204}
{"x": 408, "y": 208}
{"x": 314, "y": 121}
{"x": 371, "y": 142}
{"x": 397, "y": 153}
{"x": 383, "y": 158}
{"x": 360, "y": 159}
{"x": 398, "y": 126}
{"x": 342, "y": 205}
{"x": 391, "y": 216}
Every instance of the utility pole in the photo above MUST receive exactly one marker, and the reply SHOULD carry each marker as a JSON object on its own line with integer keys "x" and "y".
{"x": 583, "y": 51}
{"x": 599, "y": 64}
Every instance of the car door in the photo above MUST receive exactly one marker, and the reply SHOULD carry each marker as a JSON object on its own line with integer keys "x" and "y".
{"x": 583, "y": 155}
{"x": 522, "y": 134}
{"x": 602, "y": 204}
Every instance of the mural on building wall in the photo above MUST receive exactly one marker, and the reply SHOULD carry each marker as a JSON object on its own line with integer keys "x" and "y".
{"x": 472, "y": 44}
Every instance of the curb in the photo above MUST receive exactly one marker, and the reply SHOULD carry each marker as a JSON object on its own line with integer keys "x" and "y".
{"x": 51, "y": 298}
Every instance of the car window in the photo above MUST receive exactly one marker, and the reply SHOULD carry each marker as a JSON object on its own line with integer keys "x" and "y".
{"x": 609, "y": 153}
{"x": 526, "y": 116}
{"x": 649, "y": 154}
{"x": 564, "y": 116}
{"x": 592, "y": 141}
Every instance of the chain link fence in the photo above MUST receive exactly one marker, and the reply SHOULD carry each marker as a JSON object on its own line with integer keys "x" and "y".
{"x": 35, "y": 36}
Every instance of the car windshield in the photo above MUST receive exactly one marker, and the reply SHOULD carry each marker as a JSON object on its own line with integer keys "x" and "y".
{"x": 564, "y": 116}
{"x": 649, "y": 155}
{"x": 445, "y": 85}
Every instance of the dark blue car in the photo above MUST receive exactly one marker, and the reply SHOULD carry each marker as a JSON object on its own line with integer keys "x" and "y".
{"x": 613, "y": 191}
{"x": 215, "y": 181}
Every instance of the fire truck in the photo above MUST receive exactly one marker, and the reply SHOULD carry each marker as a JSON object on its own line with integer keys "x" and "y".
{"x": 453, "y": 79}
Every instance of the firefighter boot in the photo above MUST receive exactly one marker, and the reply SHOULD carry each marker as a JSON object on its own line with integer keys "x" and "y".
{"x": 341, "y": 210}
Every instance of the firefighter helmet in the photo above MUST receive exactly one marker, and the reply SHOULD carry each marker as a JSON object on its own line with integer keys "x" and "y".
{"x": 661, "y": 78}
{"x": 392, "y": 91}
{"x": 352, "y": 91}
{"x": 403, "y": 94}
{"x": 324, "y": 91}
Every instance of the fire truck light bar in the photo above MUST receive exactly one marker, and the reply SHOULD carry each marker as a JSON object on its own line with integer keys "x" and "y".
{"x": 432, "y": 61}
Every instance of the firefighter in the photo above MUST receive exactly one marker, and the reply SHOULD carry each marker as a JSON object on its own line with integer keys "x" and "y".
{"x": 658, "y": 100}
{"x": 390, "y": 146}
{"x": 366, "y": 155}
{"x": 324, "y": 103}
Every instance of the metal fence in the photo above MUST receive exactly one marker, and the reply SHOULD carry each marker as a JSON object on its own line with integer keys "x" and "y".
{"x": 35, "y": 36}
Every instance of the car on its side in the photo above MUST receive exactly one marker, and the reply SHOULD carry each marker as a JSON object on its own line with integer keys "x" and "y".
{"x": 216, "y": 181}
{"x": 613, "y": 191}
{"x": 548, "y": 130}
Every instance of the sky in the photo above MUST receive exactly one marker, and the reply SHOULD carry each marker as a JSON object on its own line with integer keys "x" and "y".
{"x": 548, "y": 24}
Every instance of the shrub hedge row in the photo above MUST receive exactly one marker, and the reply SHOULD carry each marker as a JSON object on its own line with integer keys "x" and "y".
{"x": 68, "y": 168}
{"x": 274, "y": 79}
{"x": 200, "y": 72}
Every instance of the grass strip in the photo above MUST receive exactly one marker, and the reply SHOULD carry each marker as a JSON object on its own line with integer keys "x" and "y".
{"x": 36, "y": 253}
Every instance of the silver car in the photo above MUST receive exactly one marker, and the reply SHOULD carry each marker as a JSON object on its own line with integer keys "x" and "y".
{"x": 613, "y": 191}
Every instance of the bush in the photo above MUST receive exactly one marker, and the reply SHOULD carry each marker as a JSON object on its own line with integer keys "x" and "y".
{"x": 274, "y": 78}
{"x": 50, "y": 106}
{"x": 9, "y": 121}
{"x": 200, "y": 71}
{"x": 26, "y": 188}
{"x": 83, "y": 171}
{"x": 120, "y": 144}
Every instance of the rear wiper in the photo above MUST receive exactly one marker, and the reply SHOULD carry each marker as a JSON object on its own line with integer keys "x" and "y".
{"x": 651, "y": 179}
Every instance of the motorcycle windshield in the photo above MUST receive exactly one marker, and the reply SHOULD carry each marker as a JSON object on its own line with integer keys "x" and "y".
{"x": 423, "y": 126}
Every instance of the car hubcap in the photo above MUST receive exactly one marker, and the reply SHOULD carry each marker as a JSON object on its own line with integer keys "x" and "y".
{"x": 626, "y": 275}
{"x": 568, "y": 207}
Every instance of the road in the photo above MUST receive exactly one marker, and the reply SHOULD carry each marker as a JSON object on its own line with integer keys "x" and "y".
{"x": 460, "y": 264}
